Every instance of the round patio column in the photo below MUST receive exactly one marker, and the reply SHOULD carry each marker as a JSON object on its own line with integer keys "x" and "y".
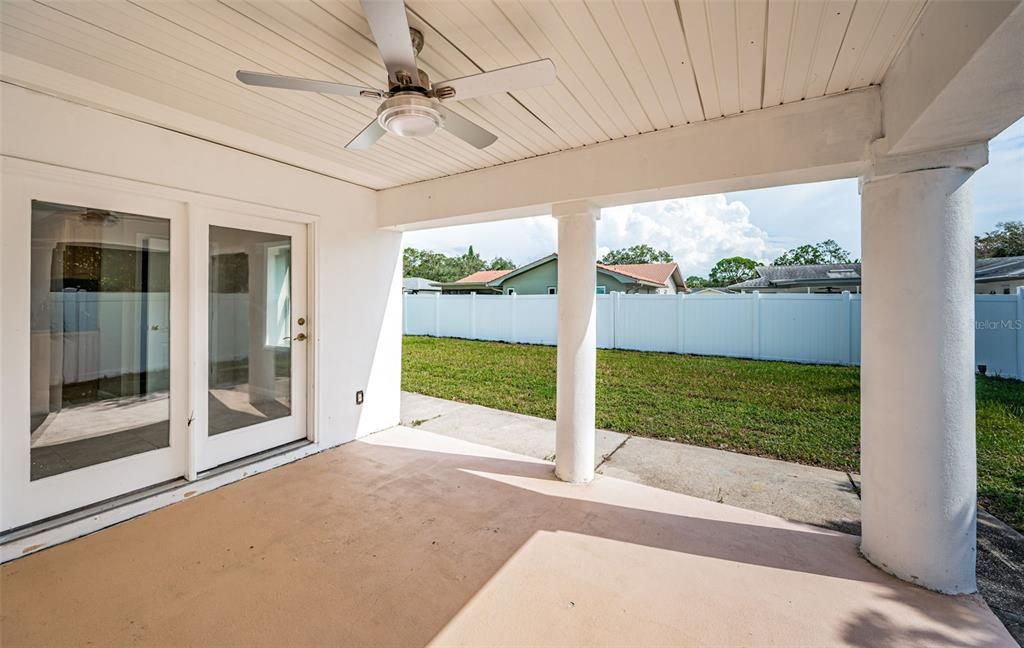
{"x": 919, "y": 481}
{"x": 577, "y": 341}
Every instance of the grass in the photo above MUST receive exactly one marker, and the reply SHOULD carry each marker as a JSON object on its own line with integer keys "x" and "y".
{"x": 804, "y": 413}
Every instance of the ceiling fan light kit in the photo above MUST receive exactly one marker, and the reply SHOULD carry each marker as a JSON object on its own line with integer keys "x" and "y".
{"x": 409, "y": 114}
{"x": 412, "y": 105}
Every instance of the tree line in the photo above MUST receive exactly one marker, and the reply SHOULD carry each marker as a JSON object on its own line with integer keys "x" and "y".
{"x": 735, "y": 269}
{"x": 1007, "y": 239}
{"x": 442, "y": 268}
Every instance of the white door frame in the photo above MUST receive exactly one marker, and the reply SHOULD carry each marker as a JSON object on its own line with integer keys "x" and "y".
{"x": 207, "y": 452}
{"x": 23, "y": 502}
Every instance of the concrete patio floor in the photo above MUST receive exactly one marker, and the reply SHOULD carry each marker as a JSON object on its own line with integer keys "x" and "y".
{"x": 409, "y": 537}
{"x": 818, "y": 496}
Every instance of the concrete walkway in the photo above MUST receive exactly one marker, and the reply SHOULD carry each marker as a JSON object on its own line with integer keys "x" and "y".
{"x": 825, "y": 498}
{"x": 818, "y": 496}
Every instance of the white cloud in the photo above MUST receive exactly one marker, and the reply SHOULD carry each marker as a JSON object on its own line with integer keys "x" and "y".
{"x": 696, "y": 231}
{"x": 759, "y": 224}
{"x": 807, "y": 213}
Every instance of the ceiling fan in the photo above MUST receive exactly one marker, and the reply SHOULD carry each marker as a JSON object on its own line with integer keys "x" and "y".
{"x": 412, "y": 106}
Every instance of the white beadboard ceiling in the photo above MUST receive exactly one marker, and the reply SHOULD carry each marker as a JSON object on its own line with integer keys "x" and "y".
{"x": 624, "y": 67}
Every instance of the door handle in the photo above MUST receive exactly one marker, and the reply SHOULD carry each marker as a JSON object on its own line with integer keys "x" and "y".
{"x": 301, "y": 337}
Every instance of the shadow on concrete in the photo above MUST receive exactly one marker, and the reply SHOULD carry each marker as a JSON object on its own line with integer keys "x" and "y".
{"x": 373, "y": 544}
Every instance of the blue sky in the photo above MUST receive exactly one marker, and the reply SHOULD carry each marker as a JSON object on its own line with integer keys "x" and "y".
{"x": 760, "y": 224}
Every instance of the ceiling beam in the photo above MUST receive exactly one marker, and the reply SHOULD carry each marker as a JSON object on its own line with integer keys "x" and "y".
{"x": 809, "y": 141}
{"x": 28, "y": 74}
{"x": 959, "y": 77}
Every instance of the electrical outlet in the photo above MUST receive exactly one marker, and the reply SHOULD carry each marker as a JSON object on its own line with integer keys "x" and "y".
{"x": 359, "y": 397}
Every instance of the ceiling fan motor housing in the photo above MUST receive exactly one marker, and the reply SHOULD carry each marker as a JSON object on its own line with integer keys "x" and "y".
{"x": 410, "y": 114}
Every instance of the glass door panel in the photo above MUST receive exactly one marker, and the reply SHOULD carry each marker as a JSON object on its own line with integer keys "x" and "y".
{"x": 156, "y": 340}
{"x": 254, "y": 381}
{"x": 100, "y": 320}
{"x": 250, "y": 351}
{"x": 95, "y": 390}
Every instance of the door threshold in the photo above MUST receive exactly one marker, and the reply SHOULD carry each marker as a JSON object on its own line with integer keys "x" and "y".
{"x": 251, "y": 459}
{"x": 27, "y": 539}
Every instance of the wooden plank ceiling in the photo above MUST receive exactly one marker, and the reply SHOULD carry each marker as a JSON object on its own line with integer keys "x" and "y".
{"x": 624, "y": 67}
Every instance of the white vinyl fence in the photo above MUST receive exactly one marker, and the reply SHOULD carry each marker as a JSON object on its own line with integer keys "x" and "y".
{"x": 821, "y": 329}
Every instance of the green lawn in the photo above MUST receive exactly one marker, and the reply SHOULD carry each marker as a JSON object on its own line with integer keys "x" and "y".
{"x": 804, "y": 413}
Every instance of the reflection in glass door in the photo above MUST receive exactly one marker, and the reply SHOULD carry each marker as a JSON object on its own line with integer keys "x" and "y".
{"x": 100, "y": 319}
{"x": 249, "y": 329}
{"x": 255, "y": 326}
{"x": 139, "y": 314}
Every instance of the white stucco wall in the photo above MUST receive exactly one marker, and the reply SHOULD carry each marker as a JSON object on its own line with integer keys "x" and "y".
{"x": 357, "y": 329}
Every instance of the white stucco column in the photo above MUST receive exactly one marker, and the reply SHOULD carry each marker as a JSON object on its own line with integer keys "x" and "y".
{"x": 577, "y": 341}
{"x": 919, "y": 481}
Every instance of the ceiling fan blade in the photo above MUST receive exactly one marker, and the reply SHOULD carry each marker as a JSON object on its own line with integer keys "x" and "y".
{"x": 295, "y": 83}
{"x": 390, "y": 28}
{"x": 366, "y": 137}
{"x": 516, "y": 77}
{"x": 466, "y": 130}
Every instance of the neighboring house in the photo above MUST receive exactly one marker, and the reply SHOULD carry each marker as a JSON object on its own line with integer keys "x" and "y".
{"x": 821, "y": 278}
{"x": 999, "y": 276}
{"x": 416, "y": 285}
{"x": 541, "y": 278}
{"x": 992, "y": 276}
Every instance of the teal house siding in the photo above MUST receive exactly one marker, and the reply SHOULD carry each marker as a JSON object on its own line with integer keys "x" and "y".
{"x": 537, "y": 280}
{"x": 611, "y": 284}
{"x": 541, "y": 276}
{"x": 534, "y": 281}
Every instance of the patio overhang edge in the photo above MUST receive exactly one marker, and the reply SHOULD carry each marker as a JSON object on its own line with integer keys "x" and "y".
{"x": 810, "y": 141}
{"x": 958, "y": 79}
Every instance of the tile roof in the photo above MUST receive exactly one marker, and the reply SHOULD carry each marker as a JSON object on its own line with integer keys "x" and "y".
{"x": 654, "y": 272}
{"x": 838, "y": 274}
{"x": 999, "y": 268}
{"x": 649, "y": 273}
{"x": 483, "y": 276}
{"x": 772, "y": 275}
